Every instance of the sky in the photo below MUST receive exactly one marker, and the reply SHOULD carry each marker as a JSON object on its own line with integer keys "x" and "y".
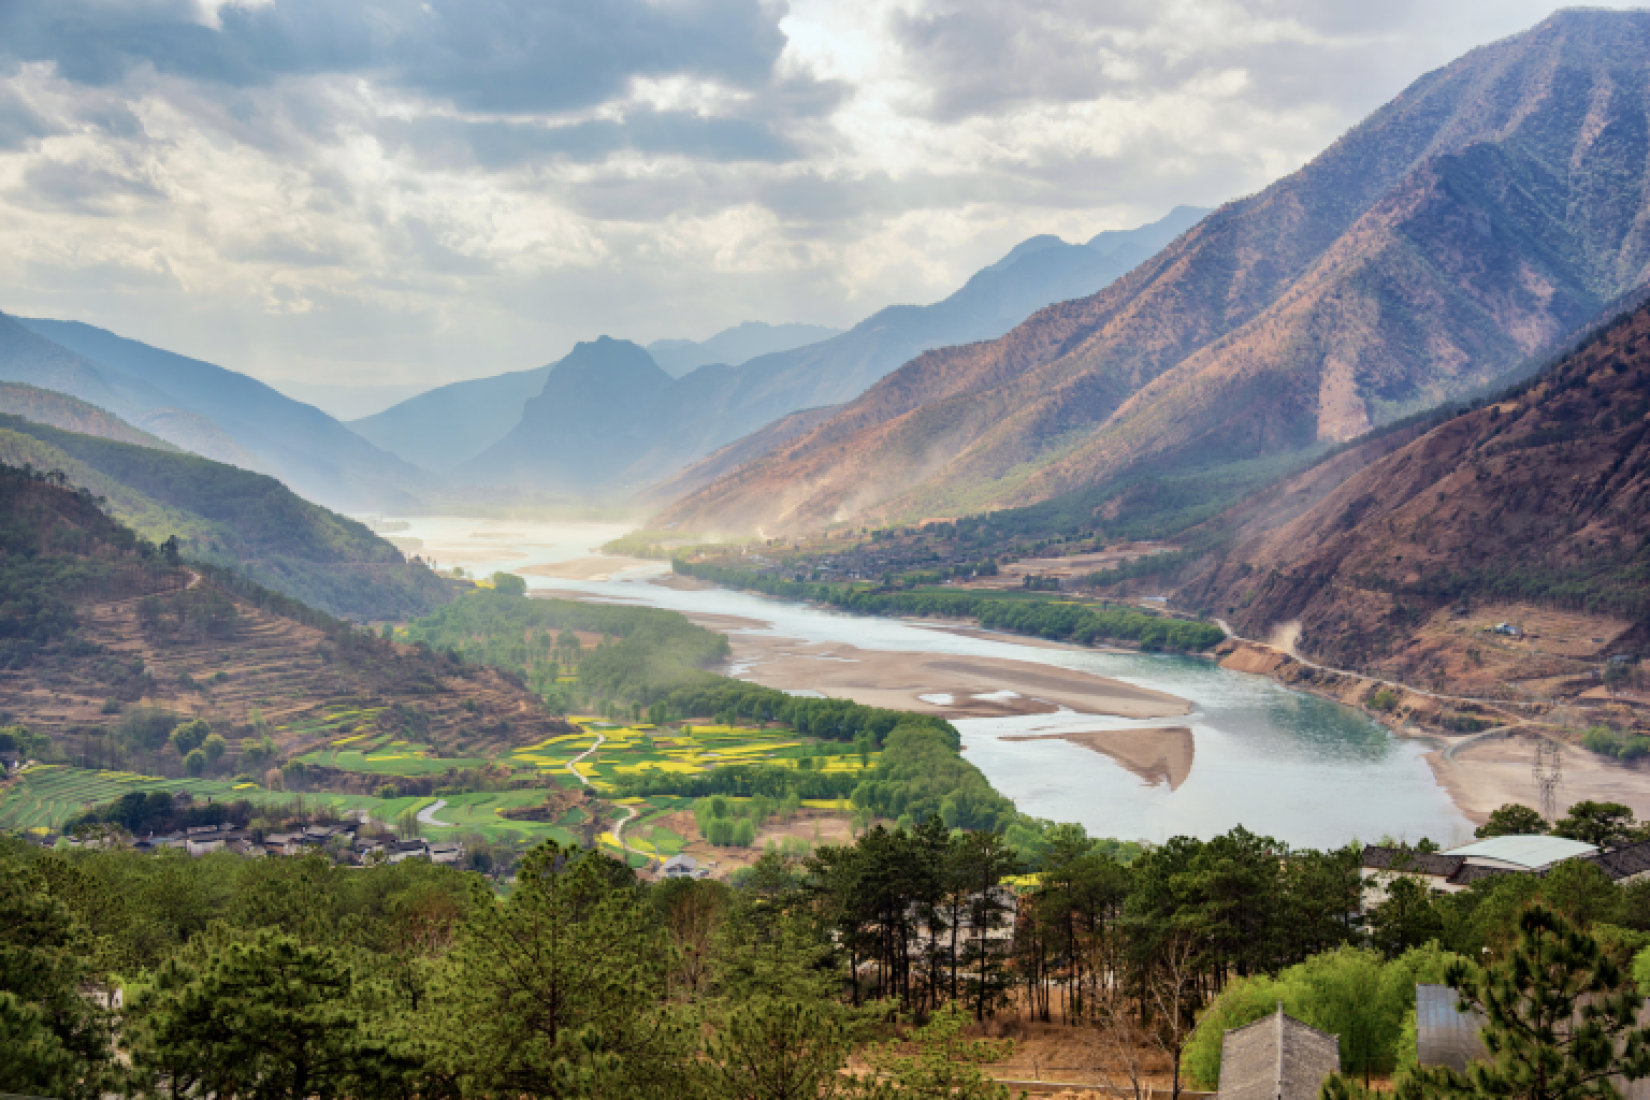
{"x": 410, "y": 192}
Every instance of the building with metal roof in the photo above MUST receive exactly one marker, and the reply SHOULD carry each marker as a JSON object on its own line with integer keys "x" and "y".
{"x": 1522, "y": 853}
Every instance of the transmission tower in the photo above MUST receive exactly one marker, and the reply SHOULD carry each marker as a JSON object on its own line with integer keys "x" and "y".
{"x": 1548, "y": 773}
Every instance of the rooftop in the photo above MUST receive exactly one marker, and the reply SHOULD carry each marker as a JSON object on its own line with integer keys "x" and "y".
{"x": 1531, "y": 852}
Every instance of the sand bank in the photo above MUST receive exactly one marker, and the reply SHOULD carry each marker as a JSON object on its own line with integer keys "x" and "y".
{"x": 939, "y": 683}
{"x": 1162, "y": 754}
{"x": 584, "y": 569}
{"x": 1485, "y": 771}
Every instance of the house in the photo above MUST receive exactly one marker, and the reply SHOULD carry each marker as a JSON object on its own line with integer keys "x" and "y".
{"x": 1278, "y": 1058}
{"x": 283, "y": 844}
{"x": 1453, "y": 871}
{"x": 406, "y": 849}
{"x": 199, "y": 843}
{"x": 8, "y": 762}
{"x": 680, "y": 867}
{"x": 1623, "y": 865}
{"x": 1447, "y": 1036}
{"x": 450, "y": 853}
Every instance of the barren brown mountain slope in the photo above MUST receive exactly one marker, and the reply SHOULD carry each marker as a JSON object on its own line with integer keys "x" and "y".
{"x": 1494, "y": 205}
{"x": 96, "y": 625}
{"x": 1534, "y": 508}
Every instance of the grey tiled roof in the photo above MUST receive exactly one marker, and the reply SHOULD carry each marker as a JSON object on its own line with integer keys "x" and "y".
{"x": 1420, "y": 863}
{"x": 1278, "y": 1058}
{"x": 1623, "y": 863}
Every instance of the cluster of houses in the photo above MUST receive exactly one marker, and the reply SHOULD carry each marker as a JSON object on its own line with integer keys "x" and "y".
{"x": 344, "y": 843}
{"x": 1453, "y": 871}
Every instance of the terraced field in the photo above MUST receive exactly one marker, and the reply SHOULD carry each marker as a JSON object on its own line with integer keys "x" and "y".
{"x": 45, "y": 797}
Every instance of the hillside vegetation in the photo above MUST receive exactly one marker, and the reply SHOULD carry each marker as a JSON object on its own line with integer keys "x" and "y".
{"x": 1491, "y": 208}
{"x": 110, "y": 644}
{"x": 1539, "y": 497}
{"x": 232, "y": 517}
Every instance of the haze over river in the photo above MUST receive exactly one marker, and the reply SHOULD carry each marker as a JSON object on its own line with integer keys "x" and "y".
{"x": 1278, "y": 762}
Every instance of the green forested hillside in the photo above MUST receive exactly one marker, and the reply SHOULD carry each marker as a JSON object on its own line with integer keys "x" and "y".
{"x": 59, "y": 410}
{"x": 233, "y": 517}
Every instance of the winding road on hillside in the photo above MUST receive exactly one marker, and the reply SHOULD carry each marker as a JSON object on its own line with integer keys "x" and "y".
{"x": 630, "y": 811}
{"x": 426, "y": 816}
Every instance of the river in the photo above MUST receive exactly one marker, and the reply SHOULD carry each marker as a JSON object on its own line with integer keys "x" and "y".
{"x": 1278, "y": 762}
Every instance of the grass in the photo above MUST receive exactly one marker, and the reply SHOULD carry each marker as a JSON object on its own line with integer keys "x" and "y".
{"x": 45, "y": 798}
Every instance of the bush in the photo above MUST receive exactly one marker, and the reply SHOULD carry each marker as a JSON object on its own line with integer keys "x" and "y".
{"x": 1384, "y": 700}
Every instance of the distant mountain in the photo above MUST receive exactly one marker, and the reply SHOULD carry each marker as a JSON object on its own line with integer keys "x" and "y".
{"x": 59, "y": 410}
{"x": 233, "y": 517}
{"x": 446, "y": 427}
{"x": 207, "y": 409}
{"x": 1496, "y": 203}
{"x": 717, "y": 404}
{"x": 1541, "y": 497}
{"x": 733, "y": 346}
{"x": 592, "y": 414}
{"x": 345, "y": 402}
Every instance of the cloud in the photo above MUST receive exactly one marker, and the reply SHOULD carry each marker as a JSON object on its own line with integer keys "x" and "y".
{"x": 502, "y": 56}
{"x": 421, "y": 190}
{"x": 84, "y": 189}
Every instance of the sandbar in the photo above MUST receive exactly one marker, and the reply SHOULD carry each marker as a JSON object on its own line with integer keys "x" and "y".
{"x": 1160, "y": 754}
{"x": 1487, "y": 771}
{"x": 954, "y": 686}
{"x": 584, "y": 569}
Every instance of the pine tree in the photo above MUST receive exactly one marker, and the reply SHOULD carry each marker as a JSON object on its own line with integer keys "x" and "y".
{"x": 1561, "y": 1020}
{"x": 560, "y": 991}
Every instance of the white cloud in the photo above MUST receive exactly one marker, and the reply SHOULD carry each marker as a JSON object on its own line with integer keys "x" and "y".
{"x": 471, "y": 187}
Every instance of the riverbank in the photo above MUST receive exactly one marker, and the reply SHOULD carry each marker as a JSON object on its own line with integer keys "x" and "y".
{"x": 1480, "y": 770}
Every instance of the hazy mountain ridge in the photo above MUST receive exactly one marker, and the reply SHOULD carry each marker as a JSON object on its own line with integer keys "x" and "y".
{"x": 716, "y": 405}
{"x": 59, "y": 410}
{"x": 449, "y": 425}
{"x": 217, "y": 412}
{"x": 736, "y": 345}
{"x": 1490, "y": 207}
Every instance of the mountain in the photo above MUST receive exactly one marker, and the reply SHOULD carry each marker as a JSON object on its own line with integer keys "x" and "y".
{"x": 715, "y": 405}
{"x": 590, "y": 418}
{"x": 59, "y": 410}
{"x": 345, "y": 402}
{"x": 207, "y": 409}
{"x": 736, "y": 345}
{"x": 232, "y": 517}
{"x": 209, "y": 644}
{"x": 1496, "y": 203}
{"x": 449, "y": 425}
{"x": 1537, "y": 499}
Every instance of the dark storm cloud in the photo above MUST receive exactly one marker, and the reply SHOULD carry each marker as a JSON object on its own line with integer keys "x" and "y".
{"x": 505, "y": 56}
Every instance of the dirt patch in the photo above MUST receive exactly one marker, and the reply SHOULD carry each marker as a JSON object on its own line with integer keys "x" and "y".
{"x": 1162, "y": 754}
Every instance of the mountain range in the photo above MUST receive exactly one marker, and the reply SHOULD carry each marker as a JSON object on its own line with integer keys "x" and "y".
{"x": 1539, "y": 496}
{"x": 477, "y": 429}
{"x": 736, "y": 345}
{"x": 1494, "y": 204}
{"x": 206, "y": 409}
